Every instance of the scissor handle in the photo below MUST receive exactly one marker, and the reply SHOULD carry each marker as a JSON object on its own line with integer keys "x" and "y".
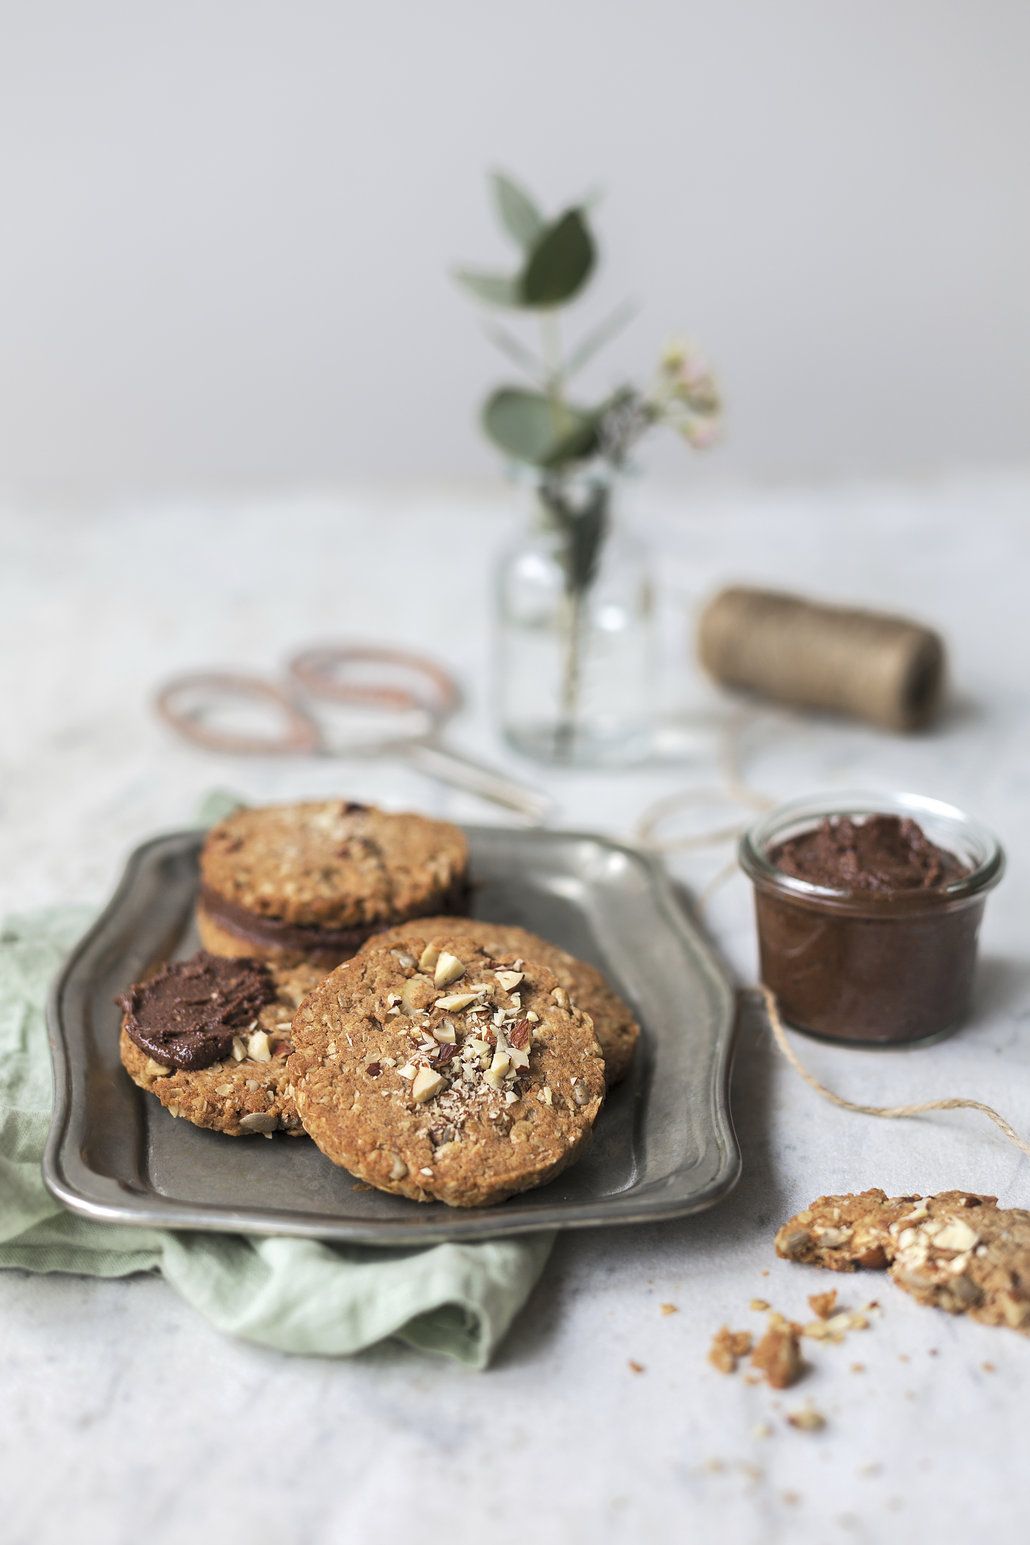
{"x": 322, "y": 671}
{"x": 464, "y": 772}
{"x": 177, "y": 702}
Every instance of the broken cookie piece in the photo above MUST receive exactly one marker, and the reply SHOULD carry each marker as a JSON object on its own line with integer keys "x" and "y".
{"x": 958, "y": 1250}
{"x": 843, "y": 1232}
{"x": 777, "y": 1357}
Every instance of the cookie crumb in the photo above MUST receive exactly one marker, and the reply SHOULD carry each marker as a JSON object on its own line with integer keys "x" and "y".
{"x": 989, "y": 1367}
{"x": 728, "y": 1347}
{"x": 759, "y": 1304}
{"x": 777, "y": 1356}
{"x": 823, "y": 1304}
{"x": 808, "y": 1419}
{"x": 669, "y": 1308}
{"x": 763, "y": 1430}
{"x": 635, "y": 1367}
{"x": 858, "y": 1367}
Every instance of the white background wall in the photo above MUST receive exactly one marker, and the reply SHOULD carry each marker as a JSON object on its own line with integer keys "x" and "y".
{"x": 226, "y": 225}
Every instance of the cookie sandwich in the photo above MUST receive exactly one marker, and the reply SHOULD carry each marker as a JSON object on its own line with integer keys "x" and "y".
{"x": 614, "y": 1024}
{"x": 310, "y": 882}
{"x": 210, "y": 1037}
{"x": 442, "y": 1071}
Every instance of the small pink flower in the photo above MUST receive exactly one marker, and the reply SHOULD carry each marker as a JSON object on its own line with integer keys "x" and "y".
{"x": 701, "y": 433}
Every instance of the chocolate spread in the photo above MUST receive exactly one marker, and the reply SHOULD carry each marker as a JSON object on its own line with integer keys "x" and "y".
{"x": 187, "y": 1015}
{"x": 881, "y": 854}
{"x": 317, "y": 942}
{"x": 884, "y": 950}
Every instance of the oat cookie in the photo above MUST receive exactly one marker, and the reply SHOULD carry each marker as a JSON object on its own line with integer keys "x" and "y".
{"x": 243, "y": 1027}
{"x": 957, "y": 1250}
{"x": 310, "y": 882}
{"x": 614, "y": 1025}
{"x": 438, "y": 1070}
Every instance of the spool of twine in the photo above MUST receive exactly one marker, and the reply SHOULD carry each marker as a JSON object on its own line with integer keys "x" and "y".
{"x": 886, "y": 670}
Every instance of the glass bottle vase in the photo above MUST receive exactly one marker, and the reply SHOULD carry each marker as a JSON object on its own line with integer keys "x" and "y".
{"x": 575, "y": 651}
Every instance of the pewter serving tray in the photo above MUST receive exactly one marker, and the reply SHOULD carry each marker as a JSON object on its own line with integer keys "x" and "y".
{"x": 664, "y": 1143}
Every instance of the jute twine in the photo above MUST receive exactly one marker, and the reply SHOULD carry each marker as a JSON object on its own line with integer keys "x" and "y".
{"x": 776, "y": 1025}
{"x": 886, "y": 670}
{"x": 736, "y": 788}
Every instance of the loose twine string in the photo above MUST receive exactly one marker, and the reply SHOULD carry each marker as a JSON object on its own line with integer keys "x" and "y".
{"x": 736, "y": 788}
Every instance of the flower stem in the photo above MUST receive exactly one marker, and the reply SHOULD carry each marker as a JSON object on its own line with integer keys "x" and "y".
{"x": 566, "y": 727}
{"x": 554, "y": 367}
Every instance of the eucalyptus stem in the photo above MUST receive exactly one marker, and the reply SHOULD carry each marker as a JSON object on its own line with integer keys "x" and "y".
{"x": 566, "y": 727}
{"x": 554, "y": 367}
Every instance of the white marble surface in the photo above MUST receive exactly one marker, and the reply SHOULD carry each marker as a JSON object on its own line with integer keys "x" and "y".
{"x": 125, "y": 1417}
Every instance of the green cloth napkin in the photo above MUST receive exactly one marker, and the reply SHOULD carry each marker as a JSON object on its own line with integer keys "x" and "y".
{"x": 294, "y": 1295}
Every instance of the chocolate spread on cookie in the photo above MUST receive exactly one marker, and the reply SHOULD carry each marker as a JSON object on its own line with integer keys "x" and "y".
{"x": 315, "y": 940}
{"x": 880, "y": 855}
{"x": 187, "y": 1015}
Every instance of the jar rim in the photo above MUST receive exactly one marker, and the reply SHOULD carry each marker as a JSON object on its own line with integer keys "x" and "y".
{"x": 941, "y": 820}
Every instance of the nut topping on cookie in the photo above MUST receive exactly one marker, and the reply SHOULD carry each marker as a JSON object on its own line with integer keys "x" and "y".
{"x": 448, "y": 969}
{"x": 258, "y": 1047}
{"x": 456, "y": 1001}
{"x": 425, "y": 1085}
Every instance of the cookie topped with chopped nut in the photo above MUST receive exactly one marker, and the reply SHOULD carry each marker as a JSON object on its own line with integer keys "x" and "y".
{"x": 957, "y": 1250}
{"x": 311, "y": 881}
{"x": 210, "y": 1039}
{"x": 439, "y": 1070}
{"x": 614, "y": 1024}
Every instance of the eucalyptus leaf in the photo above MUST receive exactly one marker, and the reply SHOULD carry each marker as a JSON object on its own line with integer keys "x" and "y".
{"x": 531, "y": 427}
{"x": 559, "y": 263}
{"x": 495, "y": 289}
{"x": 519, "y": 215}
{"x": 599, "y": 336}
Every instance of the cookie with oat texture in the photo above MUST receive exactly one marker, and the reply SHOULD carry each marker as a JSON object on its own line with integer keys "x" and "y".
{"x": 440, "y": 1071}
{"x": 311, "y": 881}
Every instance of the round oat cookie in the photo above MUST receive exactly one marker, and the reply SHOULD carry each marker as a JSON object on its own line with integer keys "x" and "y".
{"x": 311, "y": 881}
{"x": 614, "y": 1025}
{"x": 241, "y": 1094}
{"x": 441, "y": 1071}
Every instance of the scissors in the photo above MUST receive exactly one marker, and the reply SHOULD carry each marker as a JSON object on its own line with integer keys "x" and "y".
{"x": 396, "y": 703}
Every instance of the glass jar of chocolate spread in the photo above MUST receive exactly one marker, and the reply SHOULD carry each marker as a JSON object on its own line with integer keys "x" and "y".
{"x": 868, "y": 909}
